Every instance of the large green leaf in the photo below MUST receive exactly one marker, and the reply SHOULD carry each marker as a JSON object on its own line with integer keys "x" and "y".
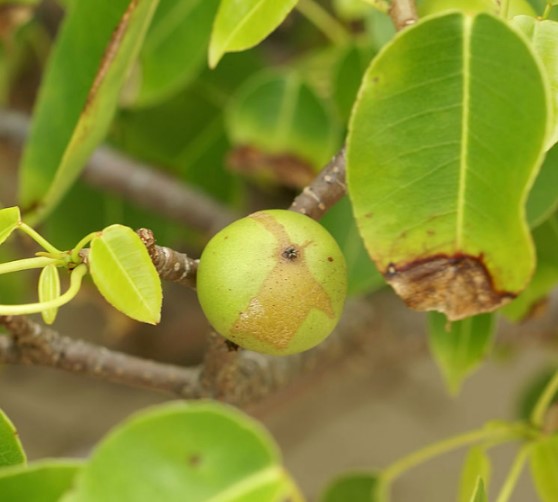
{"x": 475, "y": 467}
{"x": 241, "y": 25}
{"x": 174, "y": 51}
{"x": 125, "y": 275}
{"x": 93, "y": 53}
{"x": 543, "y": 36}
{"x": 546, "y": 274}
{"x": 11, "y": 450}
{"x": 178, "y": 452}
{"x": 280, "y": 114}
{"x": 446, "y": 138}
{"x": 357, "y": 487}
{"x": 44, "y": 481}
{"x": 459, "y": 347}
{"x": 515, "y": 7}
{"x": 544, "y": 466}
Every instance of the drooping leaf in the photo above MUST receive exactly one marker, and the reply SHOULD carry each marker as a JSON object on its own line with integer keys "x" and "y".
{"x": 543, "y": 197}
{"x": 280, "y": 114}
{"x": 11, "y": 450}
{"x": 174, "y": 51}
{"x": 9, "y": 221}
{"x": 44, "y": 481}
{"x": 544, "y": 466}
{"x": 125, "y": 275}
{"x": 241, "y": 25}
{"x": 444, "y": 140}
{"x": 79, "y": 94}
{"x": 475, "y": 467}
{"x": 546, "y": 274}
{"x": 356, "y": 487}
{"x": 362, "y": 274}
{"x": 459, "y": 347}
{"x": 180, "y": 451}
{"x": 543, "y": 35}
{"x": 49, "y": 289}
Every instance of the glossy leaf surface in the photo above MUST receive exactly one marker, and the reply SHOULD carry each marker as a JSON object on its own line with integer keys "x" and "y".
{"x": 125, "y": 275}
{"x": 174, "y": 51}
{"x": 459, "y": 347}
{"x": 181, "y": 451}
{"x": 45, "y": 481}
{"x": 79, "y": 94}
{"x": 544, "y": 466}
{"x": 241, "y": 25}
{"x": 9, "y": 221}
{"x": 476, "y": 467}
{"x": 11, "y": 450}
{"x": 445, "y": 139}
{"x": 358, "y": 487}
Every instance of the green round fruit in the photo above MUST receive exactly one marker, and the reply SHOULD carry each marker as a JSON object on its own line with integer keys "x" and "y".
{"x": 274, "y": 282}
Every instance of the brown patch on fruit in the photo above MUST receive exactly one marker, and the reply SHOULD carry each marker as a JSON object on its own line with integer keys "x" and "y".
{"x": 459, "y": 286}
{"x": 290, "y": 284}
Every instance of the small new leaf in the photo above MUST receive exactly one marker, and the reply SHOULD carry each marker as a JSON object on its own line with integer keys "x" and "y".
{"x": 480, "y": 493}
{"x": 49, "y": 289}
{"x": 9, "y": 220}
{"x": 475, "y": 468}
{"x": 125, "y": 275}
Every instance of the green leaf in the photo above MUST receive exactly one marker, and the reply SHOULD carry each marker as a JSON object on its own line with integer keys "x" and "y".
{"x": 445, "y": 139}
{"x": 242, "y": 25}
{"x": 11, "y": 450}
{"x": 125, "y": 275}
{"x": 44, "y": 481}
{"x": 533, "y": 388}
{"x": 362, "y": 274}
{"x": 280, "y": 114}
{"x": 544, "y": 466}
{"x": 195, "y": 452}
{"x": 459, "y": 347}
{"x": 354, "y": 487}
{"x": 515, "y": 7}
{"x": 479, "y": 495}
{"x": 9, "y": 221}
{"x": 542, "y": 35}
{"x": 79, "y": 94}
{"x": 546, "y": 274}
{"x": 476, "y": 467}
{"x": 49, "y": 289}
{"x": 174, "y": 51}
{"x": 351, "y": 10}
{"x": 543, "y": 197}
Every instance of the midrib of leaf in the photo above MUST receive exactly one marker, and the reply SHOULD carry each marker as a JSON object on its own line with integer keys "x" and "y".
{"x": 287, "y": 111}
{"x": 139, "y": 294}
{"x": 242, "y": 23}
{"x": 467, "y": 24}
{"x": 171, "y": 22}
{"x": 256, "y": 480}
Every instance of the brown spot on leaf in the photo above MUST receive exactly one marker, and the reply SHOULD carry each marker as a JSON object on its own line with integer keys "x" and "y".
{"x": 459, "y": 286}
{"x": 194, "y": 460}
{"x": 111, "y": 52}
{"x": 286, "y": 296}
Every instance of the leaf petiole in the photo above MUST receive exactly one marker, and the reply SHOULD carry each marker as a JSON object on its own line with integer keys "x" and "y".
{"x": 33, "y": 308}
{"x": 324, "y": 21}
{"x": 39, "y": 239}
{"x": 513, "y": 475}
{"x": 509, "y": 432}
{"x": 26, "y": 264}
{"x": 81, "y": 244}
{"x": 545, "y": 400}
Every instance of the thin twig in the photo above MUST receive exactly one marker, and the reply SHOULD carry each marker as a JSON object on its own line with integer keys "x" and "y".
{"x": 403, "y": 13}
{"x": 325, "y": 191}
